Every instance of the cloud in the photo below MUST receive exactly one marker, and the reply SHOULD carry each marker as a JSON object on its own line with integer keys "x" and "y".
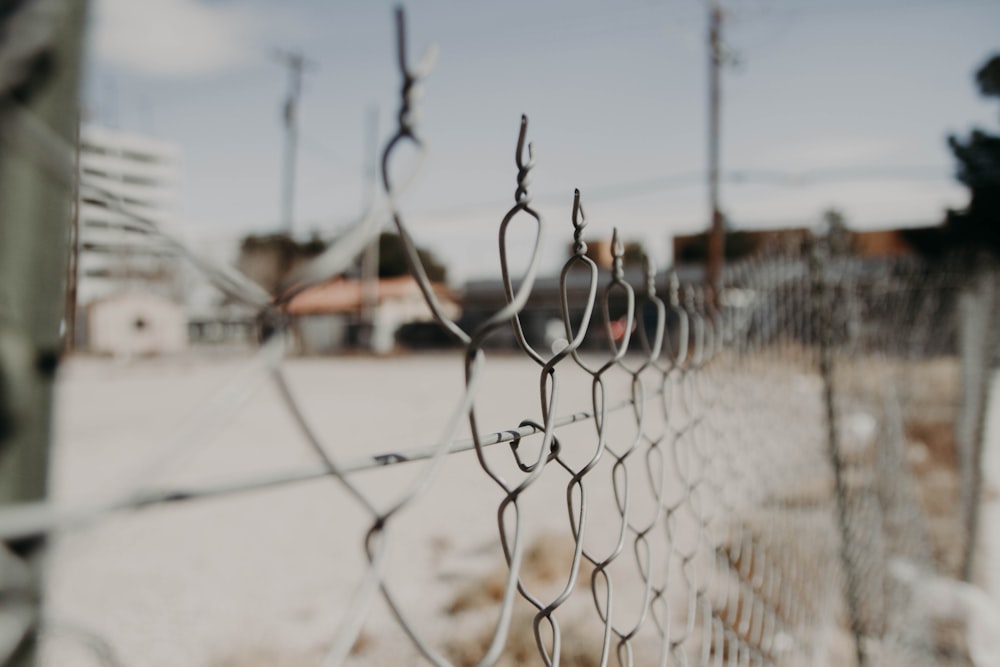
{"x": 172, "y": 38}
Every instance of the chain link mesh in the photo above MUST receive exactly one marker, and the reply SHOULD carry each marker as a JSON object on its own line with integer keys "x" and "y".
{"x": 728, "y": 484}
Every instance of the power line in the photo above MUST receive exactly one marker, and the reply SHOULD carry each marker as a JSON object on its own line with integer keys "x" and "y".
{"x": 33, "y": 519}
{"x": 736, "y": 177}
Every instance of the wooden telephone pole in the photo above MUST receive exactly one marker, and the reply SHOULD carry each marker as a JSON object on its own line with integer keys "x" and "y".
{"x": 296, "y": 64}
{"x": 369, "y": 259}
{"x": 716, "y": 234}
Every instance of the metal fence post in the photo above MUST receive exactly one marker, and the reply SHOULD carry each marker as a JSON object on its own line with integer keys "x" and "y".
{"x": 823, "y": 321}
{"x": 977, "y": 345}
{"x": 39, "y": 63}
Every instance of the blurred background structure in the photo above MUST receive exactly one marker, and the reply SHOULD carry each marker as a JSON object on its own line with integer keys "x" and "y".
{"x": 807, "y": 388}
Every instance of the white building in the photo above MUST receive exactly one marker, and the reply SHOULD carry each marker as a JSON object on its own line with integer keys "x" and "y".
{"x": 141, "y": 174}
{"x": 136, "y": 323}
{"x": 324, "y": 313}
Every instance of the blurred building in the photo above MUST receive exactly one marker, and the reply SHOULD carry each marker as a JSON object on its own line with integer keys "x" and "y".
{"x": 270, "y": 259}
{"x": 742, "y": 244}
{"x": 541, "y": 317}
{"x": 326, "y": 315}
{"x": 136, "y": 323}
{"x": 115, "y": 256}
{"x": 886, "y": 242}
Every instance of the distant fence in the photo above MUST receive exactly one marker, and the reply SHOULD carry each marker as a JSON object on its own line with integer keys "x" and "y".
{"x": 761, "y": 501}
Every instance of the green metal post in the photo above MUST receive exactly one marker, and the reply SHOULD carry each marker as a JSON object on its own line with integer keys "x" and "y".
{"x": 39, "y": 75}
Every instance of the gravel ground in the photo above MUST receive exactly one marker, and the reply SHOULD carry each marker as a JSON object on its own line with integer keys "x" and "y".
{"x": 264, "y": 578}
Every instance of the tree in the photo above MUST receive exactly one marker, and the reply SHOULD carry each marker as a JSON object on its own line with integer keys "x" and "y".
{"x": 978, "y": 157}
{"x": 839, "y": 236}
{"x": 633, "y": 254}
{"x": 271, "y": 258}
{"x": 392, "y": 259}
{"x": 988, "y": 77}
{"x": 737, "y": 244}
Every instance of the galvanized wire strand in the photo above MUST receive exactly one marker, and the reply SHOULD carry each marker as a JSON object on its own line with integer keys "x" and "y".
{"x": 757, "y": 623}
{"x": 406, "y": 133}
{"x": 513, "y": 544}
{"x": 132, "y": 490}
{"x": 577, "y": 521}
{"x": 97, "y": 646}
{"x": 33, "y": 519}
{"x": 711, "y": 463}
{"x": 723, "y": 495}
{"x": 26, "y": 35}
{"x": 823, "y": 307}
{"x": 548, "y": 379}
{"x": 377, "y": 539}
{"x": 546, "y": 612}
{"x": 377, "y": 535}
{"x": 226, "y": 278}
{"x": 513, "y": 548}
{"x": 211, "y": 416}
{"x": 641, "y": 545}
{"x": 339, "y": 256}
{"x": 351, "y": 626}
{"x": 884, "y": 503}
{"x": 350, "y": 244}
{"x": 417, "y": 488}
{"x": 26, "y": 133}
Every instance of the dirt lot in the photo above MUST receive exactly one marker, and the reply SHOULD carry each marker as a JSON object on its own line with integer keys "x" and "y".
{"x": 265, "y": 578}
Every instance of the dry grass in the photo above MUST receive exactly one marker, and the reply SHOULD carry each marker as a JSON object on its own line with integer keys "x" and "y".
{"x": 930, "y": 392}
{"x": 479, "y": 593}
{"x": 546, "y": 566}
{"x": 764, "y": 552}
{"x": 580, "y": 647}
{"x": 938, "y": 437}
{"x": 930, "y": 387}
{"x": 950, "y": 643}
{"x": 933, "y": 463}
{"x": 362, "y": 644}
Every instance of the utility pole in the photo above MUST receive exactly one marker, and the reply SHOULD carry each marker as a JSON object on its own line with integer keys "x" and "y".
{"x": 73, "y": 255}
{"x": 716, "y": 234}
{"x": 296, "y": 64}
{"x": 369, "y": 260}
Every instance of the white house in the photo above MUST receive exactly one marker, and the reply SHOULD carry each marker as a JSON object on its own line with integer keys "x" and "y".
{"x": 124, "y": 277}
{"x": 136, "y": 324}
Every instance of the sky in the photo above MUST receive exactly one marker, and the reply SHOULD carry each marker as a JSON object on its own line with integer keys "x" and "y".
{"x": 825, "y": 103}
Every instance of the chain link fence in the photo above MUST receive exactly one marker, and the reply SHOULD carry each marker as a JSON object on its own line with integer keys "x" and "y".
{"x": 761, "y": 478}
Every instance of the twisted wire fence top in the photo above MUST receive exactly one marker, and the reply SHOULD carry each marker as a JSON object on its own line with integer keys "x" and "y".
{"x": 672, "y": 499}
